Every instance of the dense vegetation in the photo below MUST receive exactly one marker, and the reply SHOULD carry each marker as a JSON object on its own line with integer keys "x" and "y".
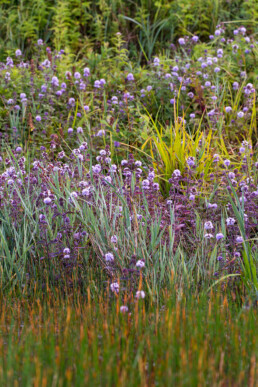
{"x": 128, "y": 193}
{"x": 81, "y": 26}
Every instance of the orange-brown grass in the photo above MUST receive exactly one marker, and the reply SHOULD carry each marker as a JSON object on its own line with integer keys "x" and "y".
{"x": 86, "y": 340}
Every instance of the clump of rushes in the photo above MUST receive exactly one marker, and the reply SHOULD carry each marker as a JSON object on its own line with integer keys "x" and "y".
{"x": 80, "y": 211}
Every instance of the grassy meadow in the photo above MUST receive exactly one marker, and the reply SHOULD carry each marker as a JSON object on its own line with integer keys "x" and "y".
{"x": 128, "y": 193}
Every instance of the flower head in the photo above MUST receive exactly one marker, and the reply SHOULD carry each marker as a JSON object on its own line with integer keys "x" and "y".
{"x": 208, "y": 225}
{"x": 227, "y": 163}
{"x": 181, "y": 41}
{"x": 140, "y": 294}
{"x": 109, "y": 257}
{"x": 140, "y": 264}
{"x": 230, "y": 221}
{"x": 208, "y": 236}
{"x": 239, "y": 239}
{"x": 114, "y": 287}
{"x": 113, "y": 239}
{"x": 130, "y": 77}
{"x": 47, "y": 200}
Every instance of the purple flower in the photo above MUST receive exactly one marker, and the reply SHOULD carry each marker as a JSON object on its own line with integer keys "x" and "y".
{"x": 38, "y": 118}
{"x": 113, "y": 239}
{"x": 208, "y": 225}
{"x": 235, "y": 85}
{"x": 18, "y": 53}
{"x": 239, "y": 239}
{"x": 47, "y": 200}
{"x": 219, "y": 236}
{"x": 71, "y": 101}
{"x": 145, "y": 184}
{"x": 212, "y": 205}
{"x": 101, "y": 133}
{"x": 114, "y": 287}
{"x": 176, "y": 173}
{"x": 190, "y": 161}
{"x": 86, "y": 192}
{"x": 74, "y": 195}
{"x": 109, "y": 257}
{"x": 124, "y": 309}
{"x": 140, "y": 294}
{"x": 86, "y": 71}
{"x": 102, "y": 82}
{"x": 181, "y": 41}
{"x": 97, "y": 84}
{"x": 96, "y": 168}
{"x": 140, "y": 264}
{"x": 208, "y": 236}
{"x": 77, "y": 75}
{"x": 231, "y": 175}
{"x": 130, "y": 77}
{"x": 230, "y": 221}
{"x": 156, "y": 61}
{"x": 55, "y": 81}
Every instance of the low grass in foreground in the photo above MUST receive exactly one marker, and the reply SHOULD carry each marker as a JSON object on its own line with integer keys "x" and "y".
{"x": 186, "y": 340}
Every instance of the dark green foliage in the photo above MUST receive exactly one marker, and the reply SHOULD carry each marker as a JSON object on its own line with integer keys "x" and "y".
{"x": 146, "y": 25}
